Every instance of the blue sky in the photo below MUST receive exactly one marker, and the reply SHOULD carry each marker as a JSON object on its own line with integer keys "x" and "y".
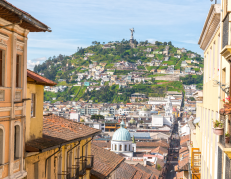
{"x": 76, "y": 23}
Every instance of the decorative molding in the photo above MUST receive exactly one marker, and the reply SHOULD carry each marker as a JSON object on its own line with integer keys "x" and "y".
{"x": 19, "y": 48}
{"x": 16, "y": 166}
{"x": 17, "y": 96}
{"x": 4, "y": 36}
{"x": 19, "y": 42}
{"x": 5, "y": 109}
{"x": 3, "y": 43}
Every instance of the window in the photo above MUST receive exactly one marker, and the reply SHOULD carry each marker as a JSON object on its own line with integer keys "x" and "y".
{"x": 214, "y": 58}
{"x": 49, "y": 169}
{"x": 115, "y": 147}
{"x": 32, "y": 105}
{"x": 60, "y": 167}
{"x": 70, "y": 162}
{"x": 1, "y": 69}
{"x": 1, "y": 146}
{"x": 120, "y": 147}
{"x": 125, "y": 147}
{"x": 16, "y": 142}
{"x": 17, "y": 72}
{"x": 210, "y": 63}
{"x": 149, "y": 157}
{"x": 218, "y": 54}
{"x": 36, "y": 172}
{"x": 129, "y": 148}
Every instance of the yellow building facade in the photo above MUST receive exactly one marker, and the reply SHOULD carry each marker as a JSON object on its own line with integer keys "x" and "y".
{"x": 56, "y": 148}
{"x": 215, "y": 41}
{"x": 203, "y": 140}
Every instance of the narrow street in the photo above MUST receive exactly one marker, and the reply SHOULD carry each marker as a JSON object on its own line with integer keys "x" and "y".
{"x": 173, "y": 153}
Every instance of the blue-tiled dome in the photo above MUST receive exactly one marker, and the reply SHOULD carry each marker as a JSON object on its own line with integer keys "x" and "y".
{"x": 121, "y": 134}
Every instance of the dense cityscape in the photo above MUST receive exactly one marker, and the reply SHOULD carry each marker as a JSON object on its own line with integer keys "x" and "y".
{"x": 124, "y": 109}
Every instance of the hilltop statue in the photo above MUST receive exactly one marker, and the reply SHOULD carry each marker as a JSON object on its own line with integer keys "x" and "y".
{"x": 132, "y": 39}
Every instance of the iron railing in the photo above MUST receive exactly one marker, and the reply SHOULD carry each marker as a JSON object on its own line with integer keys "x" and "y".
{"x": 89, "y": 161}
{"x": 65, "y": 175}
{"x": 82, "y": 163}
{"x": 75, "y": 169}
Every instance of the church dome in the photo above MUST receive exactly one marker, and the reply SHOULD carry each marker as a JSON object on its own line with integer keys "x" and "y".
{"x": 121, "y": 134}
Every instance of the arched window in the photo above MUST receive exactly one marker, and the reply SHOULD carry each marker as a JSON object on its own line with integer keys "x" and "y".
{"x": 2, "y": 137}
{"x": 115, "y": 147}
{"x": 125, "y": 147}
{"x": 16, "y": 142}
{"x": 120, "y": 147}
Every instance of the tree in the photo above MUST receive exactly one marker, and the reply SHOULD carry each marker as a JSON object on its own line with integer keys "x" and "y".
{"x": 169, "y": 43}
{"x": 97, "y": 117}
{"x": 165, "y": 43}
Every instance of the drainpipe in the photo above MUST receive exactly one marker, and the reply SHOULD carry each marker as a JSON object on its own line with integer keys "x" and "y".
{"x": 84, "y": 145}
{"x": 50, "y": 157}
{"x": 70, "y": 150}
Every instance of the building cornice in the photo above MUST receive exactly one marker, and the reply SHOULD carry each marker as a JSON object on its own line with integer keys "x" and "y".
{"x": 211, "y": 23}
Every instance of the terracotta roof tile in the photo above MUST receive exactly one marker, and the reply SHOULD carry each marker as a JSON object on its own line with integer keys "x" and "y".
{"x": 40, "y": 79}
{"x": 138, "y": 175}
{"x": 160, "y": 150}
{"x": 105, "y": 161}
{"x": 183, "y": 149}
{"x": 125, "y": 171}
{"x": 57, "y": 130}
{"x": 184, "y": 139}
{"x": 102, "y": 144}
{"x": 144, "y": 174}
{"x": 152, "y": 144}
{"x": 155, "y": 172}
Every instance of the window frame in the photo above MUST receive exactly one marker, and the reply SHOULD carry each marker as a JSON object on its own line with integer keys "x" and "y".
{"x": 2, "y": 153}
{"x": 18, "y": 71}
{"x": 33, "y": 105}
{"x": 3, "y": 70}
{"x": 17, "y": 141}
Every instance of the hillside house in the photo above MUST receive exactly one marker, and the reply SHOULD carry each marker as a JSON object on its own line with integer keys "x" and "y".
{"x": 184, "y": 64}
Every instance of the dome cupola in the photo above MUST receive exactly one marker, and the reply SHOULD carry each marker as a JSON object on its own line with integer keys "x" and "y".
{"x": 121, "y": 134}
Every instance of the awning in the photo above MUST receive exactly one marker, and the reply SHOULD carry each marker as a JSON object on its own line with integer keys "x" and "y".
{"x": 196, "y": 120}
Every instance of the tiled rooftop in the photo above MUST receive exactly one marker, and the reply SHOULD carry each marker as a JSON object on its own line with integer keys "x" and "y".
{"x": 160, "y": 150}
{"x": 105, "y": 161}
{"x": 40, "y": 79}
{"x": 152, "y": 144}
{"x": 57, "y": 130}
{"x": 125, "y": 171}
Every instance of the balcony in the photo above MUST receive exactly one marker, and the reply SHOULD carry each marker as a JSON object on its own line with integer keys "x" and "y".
{"x": 225, "y": 147}
{"x": 82, "y": 163}
{"x": 196, "y": 163}
{"x": 64, "y": 175}
{"x": 89, "y": 162}
{"x": 75, "y": 170}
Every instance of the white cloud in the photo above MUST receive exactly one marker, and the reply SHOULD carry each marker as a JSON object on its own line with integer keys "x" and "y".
{"x": 31, "y": 64}
{"x": 39, "y": 59}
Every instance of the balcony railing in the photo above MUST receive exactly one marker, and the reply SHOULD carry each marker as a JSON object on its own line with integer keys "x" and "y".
{"x": 196, "y": 163}
{"x": 226, "y": 147}
{"x": 89, "y": 161}
{"x": 82, "y": 163}
{"x": 75, "y": 170}
{"x": 64, "y": 175}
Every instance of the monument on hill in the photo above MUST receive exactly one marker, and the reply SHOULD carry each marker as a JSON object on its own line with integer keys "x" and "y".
{"x": 132, "y": 39}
